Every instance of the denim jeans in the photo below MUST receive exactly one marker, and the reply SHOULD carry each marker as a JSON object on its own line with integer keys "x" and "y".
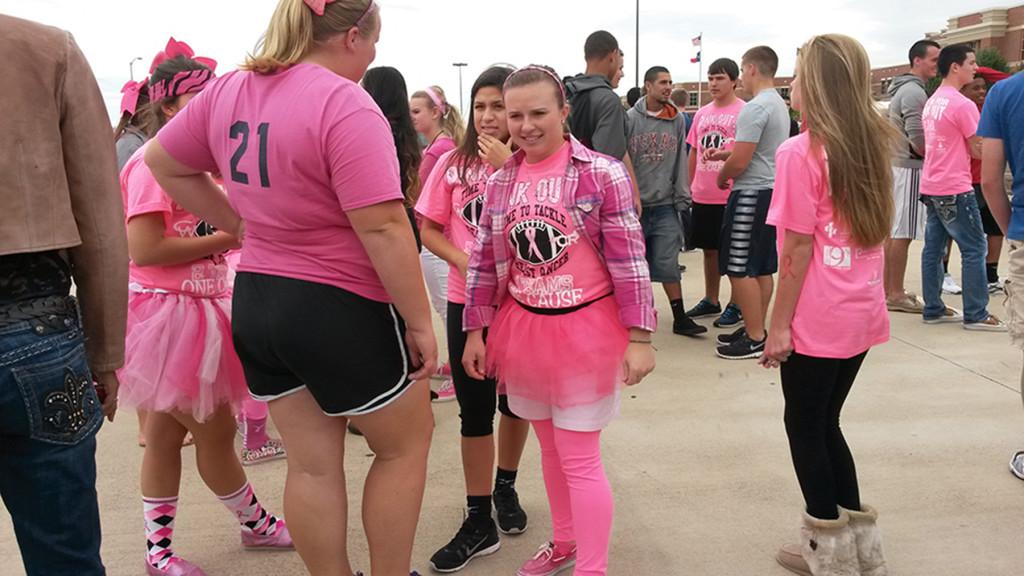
{"x": 49, "y": 415}
{"x": 959, "y": 218}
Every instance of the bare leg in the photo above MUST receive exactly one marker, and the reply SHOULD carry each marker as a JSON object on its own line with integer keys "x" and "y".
{"x": 674, "y": 290}
{"x": 747, "y": 294}
{"x": 399, "y": 435}
{"x": 712, "y": 277}
{"x": 896, "y": 254}
{"x": 215, "y": 450}
{"x": 315, "y": 501}
{"x": 161, "y": 461}
{"x": 767, "y": 286}
{"x": 512, "y": 434}
{"x": 141, "y": 414}
{"x": 478, "y": 464}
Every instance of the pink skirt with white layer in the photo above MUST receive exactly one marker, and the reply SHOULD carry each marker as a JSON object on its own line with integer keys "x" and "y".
{"x": 561, "y": 360}
{"x": 179, "y": 355}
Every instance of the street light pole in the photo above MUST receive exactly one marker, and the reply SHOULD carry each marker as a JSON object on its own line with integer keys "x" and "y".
{"x": 131, "y": 68}
{"x": 460, "y": 66}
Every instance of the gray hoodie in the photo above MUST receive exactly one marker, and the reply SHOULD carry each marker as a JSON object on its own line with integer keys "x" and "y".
{"x": 908, "y": 99}
{"x": 596, "y": 117}
{"x": 657, "y": 147}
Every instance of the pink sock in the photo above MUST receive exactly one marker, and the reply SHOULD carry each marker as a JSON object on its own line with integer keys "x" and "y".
{"x": 251, "y": 515}
{"x": 254, "y": 429}
{"x": 159, "y": 514}
{"x": 589, "y": 494}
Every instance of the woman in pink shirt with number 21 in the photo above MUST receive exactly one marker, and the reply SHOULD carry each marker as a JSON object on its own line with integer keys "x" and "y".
{"x": 558, "y": 272}
{"x": 331, "y": 319}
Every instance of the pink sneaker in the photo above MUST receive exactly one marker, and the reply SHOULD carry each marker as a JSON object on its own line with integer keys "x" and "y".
{"x": 272, "y": 450}
{"x": 548, "y": 561}
{"x": 444, "y": 372}
{"x": 176, "y": 567}
{"x": 279, "y": 540}
{"x": 446, "y": 393}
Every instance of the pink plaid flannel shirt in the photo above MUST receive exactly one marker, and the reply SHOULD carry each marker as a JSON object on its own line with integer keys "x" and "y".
{"x": 599, "y": 196}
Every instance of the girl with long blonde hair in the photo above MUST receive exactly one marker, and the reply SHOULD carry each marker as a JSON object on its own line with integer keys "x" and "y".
{"x": 833, "y": 209}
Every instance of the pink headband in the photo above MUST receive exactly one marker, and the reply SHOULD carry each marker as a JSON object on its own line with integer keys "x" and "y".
{"x": 186, "y": 82}
{"x": 561, "y": 87}
{"x": 318, "y": 7}
{"x": 437, "y": 100}
{"x": 132, "y": 90}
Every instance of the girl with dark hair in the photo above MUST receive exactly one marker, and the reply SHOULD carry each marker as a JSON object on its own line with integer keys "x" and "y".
{"x": 558, "y": 273}
{"x": 180, "y": 365}
{"x": 450, "y": 207}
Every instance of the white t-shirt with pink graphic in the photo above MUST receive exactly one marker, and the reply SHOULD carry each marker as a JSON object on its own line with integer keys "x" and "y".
{"x": 554, "y": 265}
{"x": 841, "y": 310}
{"x": 206, "y": 277}
{"x": 950, "y": 120}
{"x": 456, "y": 207}
{"x": 714, "y": 126}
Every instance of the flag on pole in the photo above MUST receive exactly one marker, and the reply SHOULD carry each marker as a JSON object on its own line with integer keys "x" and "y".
{"x": 695, "y": 60}
{"x": 697, "y": 40}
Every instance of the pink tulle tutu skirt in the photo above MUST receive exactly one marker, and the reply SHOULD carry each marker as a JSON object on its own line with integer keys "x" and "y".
{"x": 179, "y": 355}
{"x": 562, "y": 360}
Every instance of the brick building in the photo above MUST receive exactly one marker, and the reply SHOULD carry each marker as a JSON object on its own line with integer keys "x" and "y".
{"x": 999, "y": 28}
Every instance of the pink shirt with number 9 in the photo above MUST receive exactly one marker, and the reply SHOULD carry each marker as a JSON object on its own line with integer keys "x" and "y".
{"x": 297, "y": 149}
{"x": 841, "y": 309}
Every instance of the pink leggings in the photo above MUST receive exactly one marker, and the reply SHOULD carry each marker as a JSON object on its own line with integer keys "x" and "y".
{"x": 578, "y": 493}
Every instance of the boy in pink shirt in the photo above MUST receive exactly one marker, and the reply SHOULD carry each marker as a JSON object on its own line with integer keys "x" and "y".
{"x": 950, "y": 125}
{"x": 714, "y": 128}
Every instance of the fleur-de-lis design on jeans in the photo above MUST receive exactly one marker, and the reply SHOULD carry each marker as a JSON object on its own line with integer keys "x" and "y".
{"x": 65, "y": 409}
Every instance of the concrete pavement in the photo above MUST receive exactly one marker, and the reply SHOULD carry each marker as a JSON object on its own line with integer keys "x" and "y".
{"x": 699, "y": 465}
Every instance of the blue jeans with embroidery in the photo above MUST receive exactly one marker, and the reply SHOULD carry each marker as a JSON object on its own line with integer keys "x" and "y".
{"x": 49, "y": 415}
{"x": 959, "y": 218}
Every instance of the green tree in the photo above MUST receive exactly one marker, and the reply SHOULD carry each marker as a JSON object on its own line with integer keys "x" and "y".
{"x": 991, "y": 58}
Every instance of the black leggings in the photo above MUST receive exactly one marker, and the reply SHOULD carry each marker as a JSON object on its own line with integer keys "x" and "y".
{"x": 815, "y": 390}
{"x": 476, "y": 398}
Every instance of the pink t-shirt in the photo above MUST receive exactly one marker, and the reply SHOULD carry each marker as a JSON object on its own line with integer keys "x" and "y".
{"x": 714, "y": 126}
{"x": 205, "y": 277}
{"x": 432, "y": 155}
{"x": 841, "y": 309}
{"x": 950, "y": 119}
{"x": 554, "y": 266}
{"x": 297, "y": 149}
{"x": 456, "y": 207}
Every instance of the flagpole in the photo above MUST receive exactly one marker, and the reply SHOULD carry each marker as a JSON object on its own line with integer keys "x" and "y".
{"x": 700, "y": 73}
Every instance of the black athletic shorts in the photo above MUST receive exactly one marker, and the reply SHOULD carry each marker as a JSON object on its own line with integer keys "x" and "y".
{"x": 988, "y": 221}
{"x": 748, "y": 241}
{"x": 707, "y": 226}
{"x": 348, "y": 351}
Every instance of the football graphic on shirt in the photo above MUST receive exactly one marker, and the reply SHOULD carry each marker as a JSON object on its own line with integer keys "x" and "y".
{"x": 713, "y": 139}
{"x": 538, "y": 242}
{"x": 471, "y": 212}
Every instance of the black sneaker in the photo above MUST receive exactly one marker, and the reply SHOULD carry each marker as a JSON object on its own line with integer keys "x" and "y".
{"x": 469, "y": 542}
{"x": 730, "y": 318}
{"x": 511, "y": 516}
{"x": 704, "y": 308}
{"x": 685, "y": 326}
{"x": 725, "y": 339}
{"x": 741, "y": 349}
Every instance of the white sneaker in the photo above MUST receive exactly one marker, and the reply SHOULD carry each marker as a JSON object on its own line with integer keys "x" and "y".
{"x": 995, "y": 287}
{"x": 949, "y": 286}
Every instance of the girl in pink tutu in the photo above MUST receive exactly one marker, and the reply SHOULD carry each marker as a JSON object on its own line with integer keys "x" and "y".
{"x": 180, "y": 363}
{"x": 558, "y": 273}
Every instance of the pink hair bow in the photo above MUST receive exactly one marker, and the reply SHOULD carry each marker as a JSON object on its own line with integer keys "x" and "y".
{"x": 317, "y": 6}
{"x": 131, "y": 91}
{"x": 174, "y": 49}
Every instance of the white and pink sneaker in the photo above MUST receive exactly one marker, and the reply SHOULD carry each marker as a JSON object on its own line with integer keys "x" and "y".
{"x": 548, "y": 561}
{"x": 446, "y": 392}
{"x": 279, "y": 540}
{"x": 175, "y": 567}
{"x": 444, "y": 372}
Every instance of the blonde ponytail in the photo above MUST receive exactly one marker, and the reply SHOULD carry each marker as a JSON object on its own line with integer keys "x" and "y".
{"x": 451, "y": 121}
{"x": 294, "y": 30}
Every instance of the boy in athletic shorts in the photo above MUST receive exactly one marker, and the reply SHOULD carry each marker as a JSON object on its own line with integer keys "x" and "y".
{"x": 908, "y": 99}
{"x": 748, "y": 254}
{"x": 714, "y": 129}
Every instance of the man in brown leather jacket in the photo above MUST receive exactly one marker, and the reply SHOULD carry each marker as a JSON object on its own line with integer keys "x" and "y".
{"x": 61, "y": 220}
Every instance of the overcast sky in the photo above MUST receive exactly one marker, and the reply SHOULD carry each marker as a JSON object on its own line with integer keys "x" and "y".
{"x": 422, "y": 38}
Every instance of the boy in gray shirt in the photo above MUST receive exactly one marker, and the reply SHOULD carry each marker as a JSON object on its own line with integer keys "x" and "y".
{"x": 748, "y": 254}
